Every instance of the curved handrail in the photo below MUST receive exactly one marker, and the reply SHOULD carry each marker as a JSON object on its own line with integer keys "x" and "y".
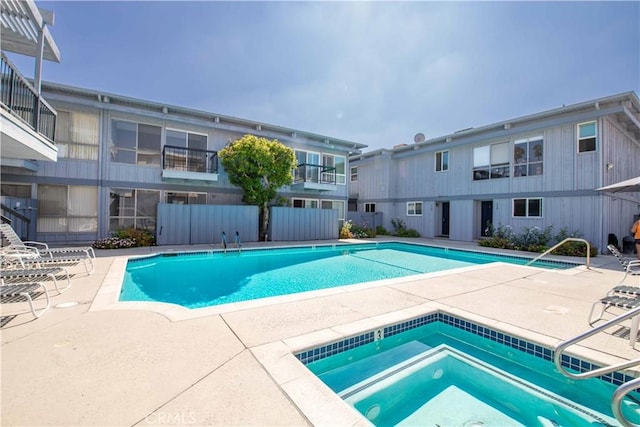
{"x": 616, "y": 401}
{"x": 625, "y": 388}
{"x": 568, "y": 239}
{"x": 557, "y": 357}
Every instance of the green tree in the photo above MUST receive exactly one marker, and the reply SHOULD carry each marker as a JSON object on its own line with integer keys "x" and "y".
{"x": 259, "y": 166}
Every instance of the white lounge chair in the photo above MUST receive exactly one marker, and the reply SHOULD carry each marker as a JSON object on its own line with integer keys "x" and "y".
{"x": 21, "y": 276}
{"x": 630, "y": 266}
{"x": 9, "y": 234}
{"x": 619, "y": 299}
{"x": 28, "y": 291}
{"x": 23, "y": 251}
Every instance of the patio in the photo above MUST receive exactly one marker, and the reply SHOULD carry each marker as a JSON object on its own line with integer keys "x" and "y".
{"x": 99, "y": 363}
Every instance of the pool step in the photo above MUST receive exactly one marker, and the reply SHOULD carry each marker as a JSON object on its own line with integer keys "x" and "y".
{"x": 344, "y": 377}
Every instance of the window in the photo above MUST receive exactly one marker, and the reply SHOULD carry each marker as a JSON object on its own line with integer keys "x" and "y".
{"x": 340, "y": 163}
{"x": 353, "y": 205}
{"x": 491, "y": 161}
{"x": 442, "y": 161}
{"x": 414, "y": 208}
{"x": 186, "y": 198}
{"x": 586, "y": 137}
{"x": 335, "y": 172}
{"x": 527, "y": 207}
{"x": 19, "y": 191}
{"x": 527, "y": 156}
{"x": 305, "y": 203}
{"x": 354, "y": 173}
{"x": 133, "y": 208}
{"x": 369, "y": 207}
{"x": 308, "y": 169}
{"x": 337, "y": 205}
{"x": 67, "y": 209}
{"x": 193, "y": 158}
{"x": 77, "y": 135}
{"x": 135, "y": 143}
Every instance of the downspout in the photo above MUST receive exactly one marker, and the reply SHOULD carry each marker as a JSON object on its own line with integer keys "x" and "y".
{"x": 601, "y": 196}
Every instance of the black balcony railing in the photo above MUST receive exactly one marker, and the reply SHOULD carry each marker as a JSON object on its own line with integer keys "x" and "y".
{"x": 21, "y": 99}
{"x": 318, "y": 174}
{"x": 189, "y": 159}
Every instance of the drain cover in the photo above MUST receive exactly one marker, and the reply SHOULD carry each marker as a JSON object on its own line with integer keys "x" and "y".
{"x": 66, "y": 304}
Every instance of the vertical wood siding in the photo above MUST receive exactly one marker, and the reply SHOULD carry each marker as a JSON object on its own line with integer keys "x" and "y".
{"x": 292, "y": 224}
{"x": 204, "y": 224}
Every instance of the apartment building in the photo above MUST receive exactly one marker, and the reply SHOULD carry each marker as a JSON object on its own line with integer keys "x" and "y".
{"x": 534, "y": 171}
{"x": 119, "y": 158}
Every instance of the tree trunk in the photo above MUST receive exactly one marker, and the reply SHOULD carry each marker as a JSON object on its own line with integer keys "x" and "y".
{"x": 265, "y": 222}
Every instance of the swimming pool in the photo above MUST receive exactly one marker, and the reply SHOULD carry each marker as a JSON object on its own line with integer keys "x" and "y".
{"x": 444, "y": 370}
{"x": 203, "y": 279}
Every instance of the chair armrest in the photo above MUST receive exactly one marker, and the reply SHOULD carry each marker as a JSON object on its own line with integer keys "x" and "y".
{"x": 36, "y": 244}
{"x": 19, "y": 249}
{"x": 633, "y": 266}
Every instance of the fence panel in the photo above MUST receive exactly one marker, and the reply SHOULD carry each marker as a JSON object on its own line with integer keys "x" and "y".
{"x": 366, "y": 219}
{"x": 294, "y": 224}
{"x": 204, "y": 224}
{"x": 174, "y": 224}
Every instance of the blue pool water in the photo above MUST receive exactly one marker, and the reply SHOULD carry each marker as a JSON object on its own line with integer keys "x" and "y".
{"x": 212, "y": 278}
{"x": 438, "y": 374}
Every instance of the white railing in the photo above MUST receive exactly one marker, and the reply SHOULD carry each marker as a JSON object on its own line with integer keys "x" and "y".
{"x": 568, "y": 239}
{"x": 624, "y": 389}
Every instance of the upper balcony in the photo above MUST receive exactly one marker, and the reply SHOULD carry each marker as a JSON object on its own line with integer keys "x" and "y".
{"x": 189, "y": 164}
{"x": 28, "y": 121}
{"x": 314, "y": 177}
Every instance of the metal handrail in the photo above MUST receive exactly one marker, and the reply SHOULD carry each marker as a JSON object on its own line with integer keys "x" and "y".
{"x": 22, "y": 100}
{"x": 557, "y": 357}
{"x": 568, "y": 239}
{"x": 616, "y": 401}
{"x": 624, "y": 389}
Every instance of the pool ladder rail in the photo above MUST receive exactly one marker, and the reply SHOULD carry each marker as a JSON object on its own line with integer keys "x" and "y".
{"x": 625, "y": 388}
{"x": 568, "y": 239}
{"x": 237, "y": 242}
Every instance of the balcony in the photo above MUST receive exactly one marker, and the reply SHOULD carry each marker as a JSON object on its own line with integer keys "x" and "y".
{"x": 28, "y": 121}
{"x": 189, "y": 164}
{"x": 314, "y": 177}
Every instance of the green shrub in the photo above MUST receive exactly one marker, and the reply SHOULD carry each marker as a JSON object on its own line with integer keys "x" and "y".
{"x": 381, "y": 231}
{"x": 572, "y": 248}
{"x": 401, "y": 230}
{"x": 345, "y": 231}
{"x": 532, "y": 239}
{"x": 575, "y": 249}
{"x": 362, "y": 232}
{"x": 126, "y": 238}
{"x": 398, "y": 225}
{"x": 407, "y": 232}
{"x": 501, "y": 237}
{"x": 536, "y": 240}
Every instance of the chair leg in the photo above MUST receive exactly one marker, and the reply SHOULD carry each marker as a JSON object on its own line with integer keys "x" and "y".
{"x": 633, "y": 333}
{"x": 31, "y": 305}
{"x": 603, "y": 308}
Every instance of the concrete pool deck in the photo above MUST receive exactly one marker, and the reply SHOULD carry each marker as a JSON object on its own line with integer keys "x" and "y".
{"x": 98, "y": 363}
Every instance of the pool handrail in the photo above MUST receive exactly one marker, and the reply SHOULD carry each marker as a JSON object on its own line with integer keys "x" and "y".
{"x": 568, "y": 239}
{"x": 616, "y": 401}
{"x": 623, "y": 389}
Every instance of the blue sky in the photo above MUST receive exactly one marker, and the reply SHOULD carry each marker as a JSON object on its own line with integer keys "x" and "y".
{"x": 370, "y": 72}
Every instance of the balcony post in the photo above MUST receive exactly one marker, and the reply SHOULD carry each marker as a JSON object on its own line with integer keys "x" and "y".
{"x": 37, "y": 78}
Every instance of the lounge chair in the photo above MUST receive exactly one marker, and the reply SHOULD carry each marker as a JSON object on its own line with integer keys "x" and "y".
{"x": 619, "y": 299}
{"x": 17, "y": 276}
{"x": 27, "y": 258}
{"x": 28, "y": 291}
{"x": 66, "y": 255}
{"x": 630, "y": 266}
